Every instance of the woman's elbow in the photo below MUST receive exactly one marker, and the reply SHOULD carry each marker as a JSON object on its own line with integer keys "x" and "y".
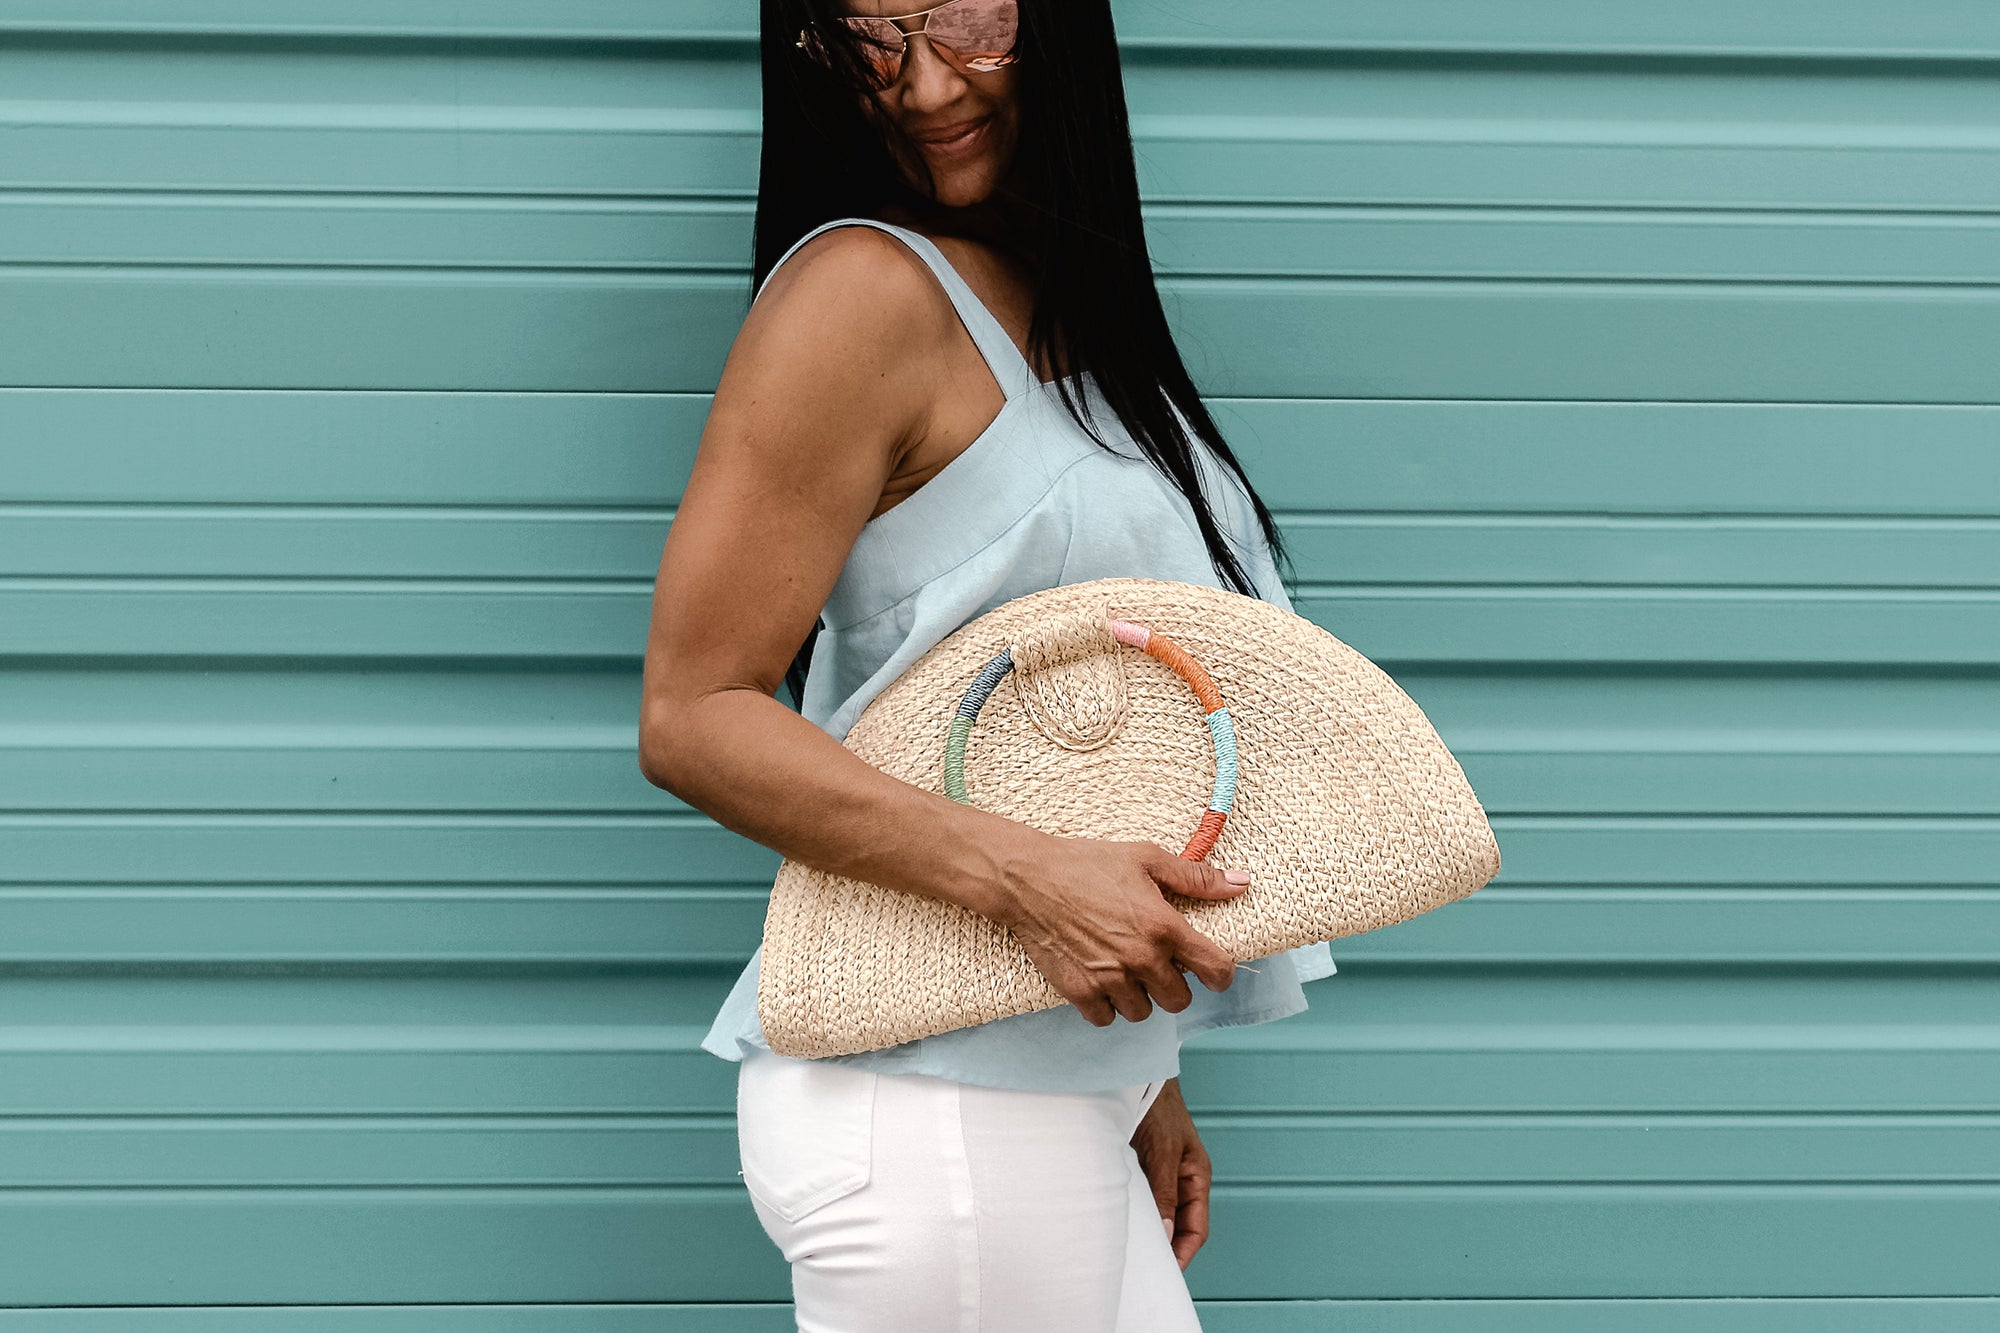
{"x": 659, "y": 749}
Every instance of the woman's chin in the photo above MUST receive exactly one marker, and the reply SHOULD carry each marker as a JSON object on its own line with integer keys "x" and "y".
{"x": 961, "y": 187}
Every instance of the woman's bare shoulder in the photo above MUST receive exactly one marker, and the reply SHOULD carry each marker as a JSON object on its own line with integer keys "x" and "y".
{"x": 853, "y": 283}
{"x": 827, "y": 383}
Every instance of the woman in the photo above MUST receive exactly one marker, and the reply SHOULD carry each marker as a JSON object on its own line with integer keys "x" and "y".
{"x": 955, "y": 386}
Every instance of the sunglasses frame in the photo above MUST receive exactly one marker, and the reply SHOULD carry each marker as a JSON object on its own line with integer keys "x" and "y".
{"x": 903, "y": 52}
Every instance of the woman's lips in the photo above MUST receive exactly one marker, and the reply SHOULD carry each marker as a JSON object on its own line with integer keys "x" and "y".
{"x": 947, "y": 147}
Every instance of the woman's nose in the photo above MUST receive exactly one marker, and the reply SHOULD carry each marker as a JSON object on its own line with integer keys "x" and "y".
{"x": 924, "y": 67}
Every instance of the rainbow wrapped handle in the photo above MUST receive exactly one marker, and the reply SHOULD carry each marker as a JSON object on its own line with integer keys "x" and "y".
{"x": 1222, "y": 733}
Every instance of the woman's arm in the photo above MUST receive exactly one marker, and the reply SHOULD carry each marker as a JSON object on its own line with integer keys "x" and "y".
{"x": 828, "y": 383}
{"x": 816, "y": 402}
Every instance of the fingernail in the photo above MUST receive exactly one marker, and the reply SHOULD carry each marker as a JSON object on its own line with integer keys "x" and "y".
{"x": 1237, "y": 876}
{"x": 1168, "y": 1223}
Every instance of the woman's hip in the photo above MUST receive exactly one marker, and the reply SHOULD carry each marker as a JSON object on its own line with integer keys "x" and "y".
{"x": 911, "y": 1201}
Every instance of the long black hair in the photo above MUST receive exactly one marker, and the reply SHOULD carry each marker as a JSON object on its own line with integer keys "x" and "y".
{"x": 1095, "y": 302}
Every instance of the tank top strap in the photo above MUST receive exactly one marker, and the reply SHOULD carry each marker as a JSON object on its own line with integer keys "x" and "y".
{"x": 1009, "y": 367}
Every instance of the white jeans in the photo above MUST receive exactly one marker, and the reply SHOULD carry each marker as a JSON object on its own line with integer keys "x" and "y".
{"x": 907, "y": 1203}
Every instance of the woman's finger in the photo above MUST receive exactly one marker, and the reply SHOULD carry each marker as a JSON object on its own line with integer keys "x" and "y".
{"x": 1162, "y": 1176}
{"x": 1191, "y": 1216}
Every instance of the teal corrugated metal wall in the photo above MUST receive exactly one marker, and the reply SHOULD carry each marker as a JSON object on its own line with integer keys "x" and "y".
{"x": 1625, "y": 376}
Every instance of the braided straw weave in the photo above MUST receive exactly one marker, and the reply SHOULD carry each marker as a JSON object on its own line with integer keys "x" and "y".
{"x": 1347, "y": 808}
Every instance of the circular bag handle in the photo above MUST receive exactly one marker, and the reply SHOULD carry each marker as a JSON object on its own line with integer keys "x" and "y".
{"x": 1221, "y": 731}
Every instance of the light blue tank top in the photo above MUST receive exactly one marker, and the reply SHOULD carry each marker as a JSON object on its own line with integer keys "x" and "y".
{"x": 1032, "y": 503}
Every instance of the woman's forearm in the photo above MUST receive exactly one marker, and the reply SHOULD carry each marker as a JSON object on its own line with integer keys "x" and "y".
{"x": 758, "y": 768}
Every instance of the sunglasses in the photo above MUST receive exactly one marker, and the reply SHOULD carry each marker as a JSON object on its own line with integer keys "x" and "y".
{"x": 973, "y": 36}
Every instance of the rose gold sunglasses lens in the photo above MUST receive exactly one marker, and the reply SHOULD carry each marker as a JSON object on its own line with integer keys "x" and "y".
{"x": 880, "y": 44}
{"x": 976, "y": 34}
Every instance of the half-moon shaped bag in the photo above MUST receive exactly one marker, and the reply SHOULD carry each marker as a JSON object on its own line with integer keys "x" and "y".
{"x": 1129, "y": 708}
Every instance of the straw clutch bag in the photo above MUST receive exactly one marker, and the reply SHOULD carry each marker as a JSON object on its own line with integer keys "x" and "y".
{"x": 1212, "y": 723}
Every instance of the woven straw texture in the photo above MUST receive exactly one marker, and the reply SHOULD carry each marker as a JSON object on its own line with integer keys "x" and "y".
{"x": 1349, "y": 811}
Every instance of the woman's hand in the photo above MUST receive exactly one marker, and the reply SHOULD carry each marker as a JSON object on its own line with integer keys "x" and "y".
{"x": 1092, "y": 917}
{"x": 1178, "y": 1169}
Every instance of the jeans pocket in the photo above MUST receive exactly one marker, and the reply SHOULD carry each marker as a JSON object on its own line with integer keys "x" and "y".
{"x": 804, "y": 1131}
